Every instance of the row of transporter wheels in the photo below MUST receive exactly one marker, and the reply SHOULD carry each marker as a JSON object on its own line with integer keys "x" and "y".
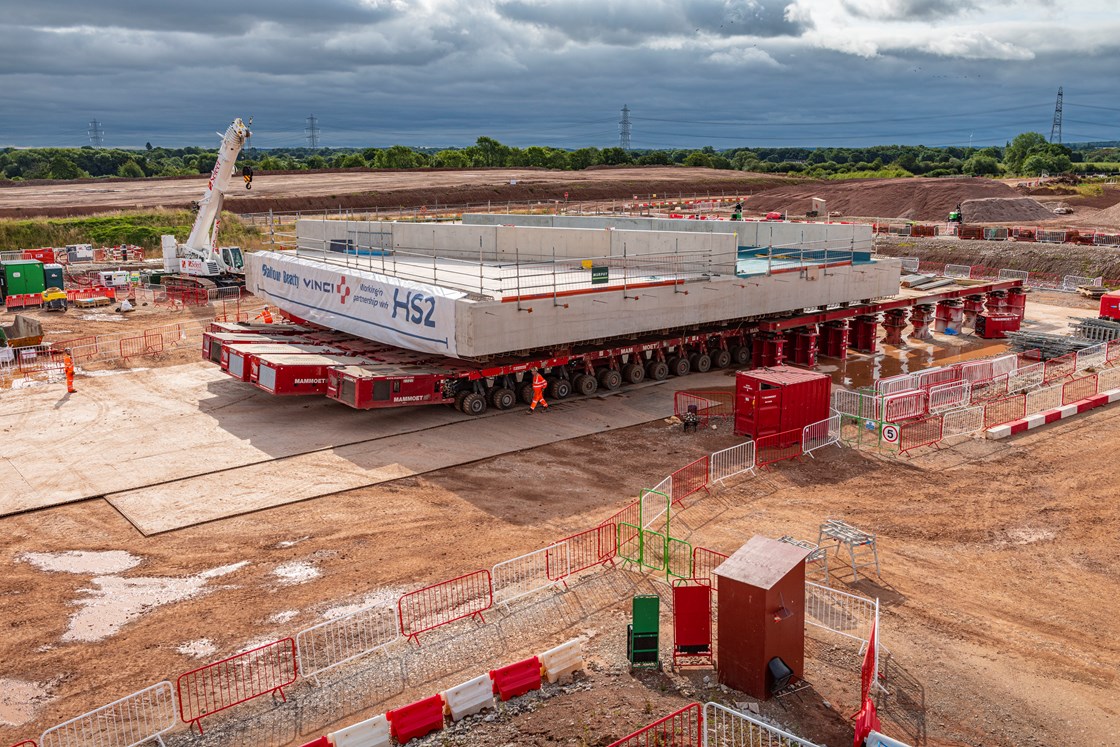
{"x": 503, "y": 397}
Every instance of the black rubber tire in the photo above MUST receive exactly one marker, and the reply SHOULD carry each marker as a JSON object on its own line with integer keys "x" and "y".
{"x": 474, "y": 404}
{"x": 525, "y": 393}
{"x": 721, "y": 359}
{"x": 700, "y": 362}
{"x": 559, "y": 388}
{"x": 502, "y": 398}
{"x": 610, "y": 379}
{"x": 585, "y": 384}
{"x": 740, "y": 355}
{"x": 459, "y": 399}
{"x": 633, "y": 373}
{"x": 679, "y": 366}
{"x": 657, "y": 370}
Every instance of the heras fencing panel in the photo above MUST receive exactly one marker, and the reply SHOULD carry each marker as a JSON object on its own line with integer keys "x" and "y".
{"x": 530, "y": 573}
{"x": 689, "y": 479}
{"x": 838, "y": 611}
{"x": 580, "y": 551}
{"x": 894, "y": 384}
{"x": 130, "y": 721}
{"x": 237, "y": 679}
{"x": 1093, "y": 357}
{"x": 1000, "y": 411}
{"x": 730, "y": 462}
{"x": 439, "y": 604}
{"x": 821, "y": 433}
{"x": 949, "y": 396}
{"x": 1059, "y": 368}
{"x": 724, "y": 727}
{"x": 1039, "y": 400}
{"x": 1075, "y": 390}
{"x": 905, "y": 405}
{"x": 961, "y": 422}
{"x": 958, "y": 271}
{"x": 777, "y": 447}
{"x": 918, "y": 433}
{"x": 683, "y": 728}
{"x": 704, "y": 561}
{"x": 335, "y": 642}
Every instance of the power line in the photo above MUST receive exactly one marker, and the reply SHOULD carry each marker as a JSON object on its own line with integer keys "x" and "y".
{"x": 624, "y": 128}
{"x": 1056, "y": 127}
{"x": 96, "y": 134}
{"x": 312, "y": 131}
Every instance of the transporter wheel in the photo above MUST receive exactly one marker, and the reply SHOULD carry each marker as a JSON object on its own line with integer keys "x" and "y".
{"x": 700, "y": 362}
{"x": 559, "y": 388}
{"x": 740, "y": 355}
{"x": 502, "y": 398}
{"x": 459, "y": 399}
{"x": 721, "y": 359}
{"x": 633, "y": 373}
{"x": 474, "y": 404}
{"x": 657, "y": 370}
{"x": 679, "y": 366}
{"x": 610, "y": 379}
{"x": 585, "y": 384}
{"x": 525, "y": 393}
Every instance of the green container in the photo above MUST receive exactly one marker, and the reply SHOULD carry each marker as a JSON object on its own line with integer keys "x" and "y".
{"x": 23, "y": 276}
{"x": 54, "y": 277}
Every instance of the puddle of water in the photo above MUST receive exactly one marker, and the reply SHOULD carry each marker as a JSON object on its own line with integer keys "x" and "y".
{"x": 20, "y": 700}
{"x": 82, "y": 561}
{"x": 296, "y": 572}
{"x": 864, "y": 370}
{"x": 199, "y": 649}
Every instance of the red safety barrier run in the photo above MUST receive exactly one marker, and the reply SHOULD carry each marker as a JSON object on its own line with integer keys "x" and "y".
{"x": 919, "y": 433}
{"x": 145, "y": 344}
{"x": 416, "y": 719}
{"x": 683, "y": 728}
{"x": 1075, "y": 390}
{"x": 631, "y": 515}
{"x": 586, "y": 549}
{"x": 439, "y": 604}
{"x": 710, "y": 405}
{"x": 691, "y": 478}
{"x": 232, "y": 681}
{"x": 517, "y": 679}
{"x": 704, "y": 561}
{"x": 1005, "y": 410}
{"x": 777, "y": 447}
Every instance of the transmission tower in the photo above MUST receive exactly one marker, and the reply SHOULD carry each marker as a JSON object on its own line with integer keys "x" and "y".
{"x": 312, "y": 131}
{"x": 624, "y": 129}
{"x": 1056, "y": 128}
{"x": 96, "y": 134}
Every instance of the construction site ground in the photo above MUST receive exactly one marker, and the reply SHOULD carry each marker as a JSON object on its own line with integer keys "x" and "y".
{"x": 999, "y": 583}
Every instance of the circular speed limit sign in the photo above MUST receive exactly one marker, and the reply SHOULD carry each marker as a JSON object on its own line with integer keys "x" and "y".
{"x": 890, "y": 434}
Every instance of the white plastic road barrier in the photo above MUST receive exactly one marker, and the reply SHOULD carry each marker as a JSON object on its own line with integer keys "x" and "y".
{"x": 373, "y": 732}
{"x": 562, "y": 660}
{"x": 469, "y": 698}
{"x": 875, "y": 739}
{"x": 132, "y": 720}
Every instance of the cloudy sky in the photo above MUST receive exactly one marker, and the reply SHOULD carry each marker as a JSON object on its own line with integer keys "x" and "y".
{"x": 556, "y": 72}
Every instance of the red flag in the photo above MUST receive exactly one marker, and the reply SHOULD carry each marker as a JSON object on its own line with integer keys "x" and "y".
{"x": 867, "y": 672}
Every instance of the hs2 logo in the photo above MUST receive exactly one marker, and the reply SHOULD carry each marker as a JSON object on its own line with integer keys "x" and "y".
{"x": 413, "y": 307}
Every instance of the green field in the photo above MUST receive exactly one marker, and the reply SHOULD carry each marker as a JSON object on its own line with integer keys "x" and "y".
{"x": 138, "y": 228}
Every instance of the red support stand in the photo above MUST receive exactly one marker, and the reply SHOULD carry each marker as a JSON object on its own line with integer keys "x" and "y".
{"x": 769, "y": 350}
{"x": 801, "y": 345}
{"x": 1017, "y": 302}
{"x": 893, "y": 323}
{"x": 997, "y": 303}
{"x": 865, "y": 330}
{"x": 950, "y": 316}
{"x": 834, "y": 339}
{"x": 973, "y": 307}
{"x": 921, "y": 317}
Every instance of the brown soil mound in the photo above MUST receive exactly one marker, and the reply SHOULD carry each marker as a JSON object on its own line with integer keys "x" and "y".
{"x": 912, "y": 199}
{"x": 1004, "y": 209}
{"x": 1107, "y": 218}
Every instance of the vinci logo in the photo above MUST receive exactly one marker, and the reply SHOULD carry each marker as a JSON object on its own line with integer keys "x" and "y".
{"x": 326, "y": 286}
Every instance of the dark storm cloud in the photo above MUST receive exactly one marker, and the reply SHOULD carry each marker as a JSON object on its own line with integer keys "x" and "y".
{"x": 908, "y": 10}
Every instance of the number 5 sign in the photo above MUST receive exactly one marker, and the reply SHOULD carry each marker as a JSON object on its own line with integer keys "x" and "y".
{"x": 890, "y": 433}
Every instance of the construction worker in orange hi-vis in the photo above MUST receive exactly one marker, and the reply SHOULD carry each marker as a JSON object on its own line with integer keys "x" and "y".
{"x": 68, "y": 363}
{"x": 265, "y": 316}
{"x": 539, "y": 385}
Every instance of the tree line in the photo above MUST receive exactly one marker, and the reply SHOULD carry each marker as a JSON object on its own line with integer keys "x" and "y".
{"x": 1028, "y": 154}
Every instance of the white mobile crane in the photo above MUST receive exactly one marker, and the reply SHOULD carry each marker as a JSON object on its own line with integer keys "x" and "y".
{"x": 200, "y": 262}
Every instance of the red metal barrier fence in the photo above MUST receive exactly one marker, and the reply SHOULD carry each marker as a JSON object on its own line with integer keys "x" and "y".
{"x": 704, "y": 561}
{"x": 988, "y": 389}
{"x": 586, "y": 549}
{"x": 683, "y": 728}
{"x": 777, "y": 447}
{"x": 1075, "y": 390}
{"x": 147, "y": 344}
{"x": 229, "y": 682}
{"x": 919, "y": 433}
{"x": 28, "y": 743}
{"x": 690, "y": 479}
{"x": 627, "y": 523}
{"x": 1057, "y": 368}
{"x": 709, "y": 404}
{"x": 1005, "y": 410}
{"x": 439, "y": 604}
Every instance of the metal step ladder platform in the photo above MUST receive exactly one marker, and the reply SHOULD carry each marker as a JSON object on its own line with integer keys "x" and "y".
{"x": 863, "y": 552}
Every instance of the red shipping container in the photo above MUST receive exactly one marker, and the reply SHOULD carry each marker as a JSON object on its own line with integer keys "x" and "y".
{"x": 517, "y": 679}
{"x": 416, "y": 719}
{"x": 1110, "y": 306}
{"x": 779, "y": 399}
